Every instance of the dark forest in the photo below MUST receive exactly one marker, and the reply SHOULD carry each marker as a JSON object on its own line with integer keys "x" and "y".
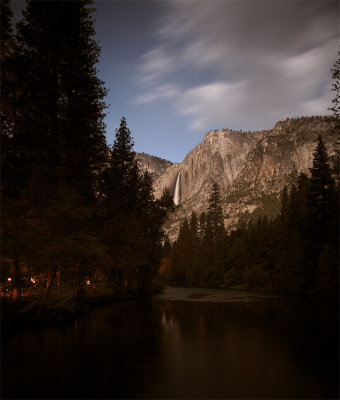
{"x": 77, "y": 215}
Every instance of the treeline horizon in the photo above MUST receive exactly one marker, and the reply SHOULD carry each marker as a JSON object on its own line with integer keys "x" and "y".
{"x": 296, "y": 251}
{"x": 76, "y": 214}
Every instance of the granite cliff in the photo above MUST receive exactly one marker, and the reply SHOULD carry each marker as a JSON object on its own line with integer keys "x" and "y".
{"x": 156, "y": 166}
{"x": 251, "y": 169}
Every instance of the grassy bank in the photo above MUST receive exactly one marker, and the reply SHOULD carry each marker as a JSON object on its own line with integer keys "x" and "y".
{"x": 34, "y": 308}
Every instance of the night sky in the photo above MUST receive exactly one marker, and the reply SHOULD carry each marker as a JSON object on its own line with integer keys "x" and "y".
{"x": 176, "y": 69}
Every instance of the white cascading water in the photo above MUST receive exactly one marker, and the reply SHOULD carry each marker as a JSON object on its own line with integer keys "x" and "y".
{"x": 177, "y": 189}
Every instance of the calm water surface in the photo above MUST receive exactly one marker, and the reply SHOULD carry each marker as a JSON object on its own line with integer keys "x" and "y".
{"x": 274, "y": 348}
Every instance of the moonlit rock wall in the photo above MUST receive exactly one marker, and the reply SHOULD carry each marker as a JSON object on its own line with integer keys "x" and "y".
{"x": 156, "y": 166}
{"x": 246, "y": 165}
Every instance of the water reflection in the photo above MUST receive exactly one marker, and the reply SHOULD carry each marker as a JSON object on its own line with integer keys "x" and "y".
{"x": 106, "y": 354}
{"x": 245, "y": 351}
{"x": 272, "y": 349}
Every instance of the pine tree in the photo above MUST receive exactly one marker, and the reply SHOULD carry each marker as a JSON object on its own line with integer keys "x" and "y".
{"x": 61, "y": 123}
{"x": 194, "y": 227}
{"x": 7, "y": 102}
{"x": 321, "y": 171}
{"x": 192, "y": 272}
{"x": 207, "y": 253}
{"x": 181, "y": 257}
{"x": 62, "y": 118}
{"x": 215, "y": 215}
{"x": 124, "y": 168}
{"x": 336, "y": 112}
{"x": 7, "y": 73}
{"x": 120, "y": 194}
{"x": 215, "y": 210}
{"x": 320, "y": 190}
{"x": 324, "y": 213}
{"x": 301, "y": 249}
{"x": 284, "y": 205}
{"x": 336, "y": 88}
{"x": 132, "y": 218}
{"x": 166, "y": 202}
{"x": 56, "y": 142}
{"x": 12, "y": 171}
{"x": 202, "y": 224}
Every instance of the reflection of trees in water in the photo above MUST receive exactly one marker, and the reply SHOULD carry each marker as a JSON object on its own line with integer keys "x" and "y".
{"x": 131, "y": 349}
{"x": 131, "y": 334}
{"x": 306, "y": 325}
{"x": 108, "y": 353}
{"x": 130, "y": 327}
{"x": 301, "y": 316}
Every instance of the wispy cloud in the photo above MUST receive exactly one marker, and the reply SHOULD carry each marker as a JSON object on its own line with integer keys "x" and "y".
{"x": 167, "y": 91}
{"x": 207, "y": 105}
{"x": 241, "y": 64}
{"x": 155, "y": 63}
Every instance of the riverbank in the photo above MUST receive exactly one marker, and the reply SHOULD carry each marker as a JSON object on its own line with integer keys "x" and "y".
{"x": 33, "y": 310}
{"x": 199, "y": 294}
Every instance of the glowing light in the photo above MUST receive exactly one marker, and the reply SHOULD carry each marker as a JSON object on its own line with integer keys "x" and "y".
{"x": 9, "y": 279}
{"x": 32, "y": 280}
{"x": 88, "y": 283}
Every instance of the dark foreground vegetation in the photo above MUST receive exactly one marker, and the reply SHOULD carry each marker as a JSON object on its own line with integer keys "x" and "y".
{"x": 78, "y": 218}
{"x": 296, "y": 251}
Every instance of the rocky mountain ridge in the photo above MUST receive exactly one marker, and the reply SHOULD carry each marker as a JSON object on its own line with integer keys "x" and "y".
{"x": 251, "y": 168}
{"x": 156, "y": 166}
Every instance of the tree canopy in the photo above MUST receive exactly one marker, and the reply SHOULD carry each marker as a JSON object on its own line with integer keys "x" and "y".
{"x": 73, "y": 209}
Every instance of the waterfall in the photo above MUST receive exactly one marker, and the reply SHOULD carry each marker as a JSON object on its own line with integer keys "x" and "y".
{"x": 177, "y": 196}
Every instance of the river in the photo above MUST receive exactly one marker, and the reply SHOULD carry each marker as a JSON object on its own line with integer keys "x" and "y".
{"x": 184, "y": 343}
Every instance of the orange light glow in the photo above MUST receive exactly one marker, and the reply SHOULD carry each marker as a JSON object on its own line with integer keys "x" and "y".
{"x": 9, "y": 279}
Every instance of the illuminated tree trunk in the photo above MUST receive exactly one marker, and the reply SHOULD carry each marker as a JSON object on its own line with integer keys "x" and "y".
{"x": 51, "y": 275}
{"x": 58, "y": 274}
{"x": 16, "y": 292}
